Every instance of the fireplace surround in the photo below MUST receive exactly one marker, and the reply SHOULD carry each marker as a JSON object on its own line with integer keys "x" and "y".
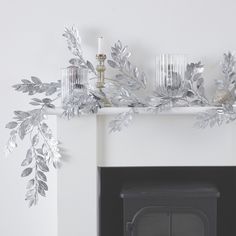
{"x": 162, "y": 148}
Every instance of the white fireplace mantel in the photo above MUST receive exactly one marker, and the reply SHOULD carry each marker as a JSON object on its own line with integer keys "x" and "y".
{"x": 168, "y": 139}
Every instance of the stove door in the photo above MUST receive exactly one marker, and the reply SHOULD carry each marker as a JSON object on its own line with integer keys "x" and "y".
{"x": 155, "y": 221}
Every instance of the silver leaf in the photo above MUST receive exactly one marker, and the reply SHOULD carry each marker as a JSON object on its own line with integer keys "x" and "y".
{"x": 46, "y": 100}
{"x": 34, "y": 103}
{"x": 35, "y": 140}
{"x": 43, "y": 185}
{"x": 41, "y": 175}
{"x": 41, "y": 191}
{"x": 31, "y": 202}
{"x": 50, "y": 91}
{"x": 30, "y": 184}
{"x": 29, "y": 194}
{"x": 90, "y": 66}
{"x": 43, "y": 166}
{"x": 21, "y": 114}
{"x": 40, "y": 158}
{"x": 24, "y": 127}
{"x": 122, "y": 120}
{"x": 75, "y": 61}
{"x": 11, "y": 125}
{"x": 26, "y": 161}
{"x": 25, "y": 81}
{"x": 57, "y": 164}
{"x": 26, "y": 172}
{"x": 29, "y": 154}
{"x": 37, "y": 100}
{"x": 112, "y": 64}
{"x": 36, "y": 80}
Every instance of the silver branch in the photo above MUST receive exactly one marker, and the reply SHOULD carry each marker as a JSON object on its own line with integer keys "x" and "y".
{"x": 224, "y": 97}
{"x": 81, "y": 103}
{"x": 43, "y": 150}
{"x": 129, "y": 76}
{"x": 74, "y": 45}
{"x": 122, "y": 120}
{"x": 35, "y": 85}
{"x": 128, "y": 80}
{"x": 216, "y": 116}
{"x": 194, "y": 85}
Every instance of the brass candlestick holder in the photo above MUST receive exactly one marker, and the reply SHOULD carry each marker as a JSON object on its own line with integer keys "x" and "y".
{"x": 101, "y": 70}
{"x": 101, "y": 77}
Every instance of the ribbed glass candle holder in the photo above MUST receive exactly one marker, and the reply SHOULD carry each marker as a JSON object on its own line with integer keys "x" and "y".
{"x": 73, "y": 77}
{"x": 170, "y": 74}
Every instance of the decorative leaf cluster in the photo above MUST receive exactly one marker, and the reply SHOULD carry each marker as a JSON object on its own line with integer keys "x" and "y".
{"x": 74, "y": 45}
{"x": 129, "y": 76}
{"x": 81, "y": 102}
{"x": 129, "y": 80}
{"x": 36, "y": 86}
{"x": 122, "y": 90}
{"x": 122, "y": 120}
{"x": 46, "y": 102}
{"x": 224, "y": 97}
{"x": 228, "y": 67}
{"x": 217, "y": 116}
{"x": 157, "y": 104}
{"x": 225, "y": 88}
{"x": 42, "y": 152}
{"x": 43, "y": 149}
{"x": 194, "y": 84}
{"x": 35, "y": 168}
{"x": 122, "y": 97}
{"x": 73, "y": 41}
{"x": 190, "y": 93}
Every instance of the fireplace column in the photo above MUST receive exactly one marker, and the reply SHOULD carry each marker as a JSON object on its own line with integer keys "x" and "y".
{"x": 77, "y": 180}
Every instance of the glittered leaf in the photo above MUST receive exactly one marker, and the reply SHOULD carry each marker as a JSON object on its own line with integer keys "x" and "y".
{"x": 11, "y": 125}
{"x": 41, "y": 191}
{"x": 41, "y": 175}
{"x": 36, "y": 80}
{"x": 43, "y": 166}
{"x": 30, "y": 184}
{"x": 112, "y": 64}
{"x": 43, "y": 185}
{"x": 26, "y": 161}
{"x": 26, "y": 172}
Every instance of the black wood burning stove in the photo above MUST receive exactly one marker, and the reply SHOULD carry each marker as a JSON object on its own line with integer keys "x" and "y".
{"x": 170, "y": 210}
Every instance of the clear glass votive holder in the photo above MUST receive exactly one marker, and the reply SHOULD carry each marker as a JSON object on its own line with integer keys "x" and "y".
{"x": 170, "y": 74}
{"x": 73, "y": 77}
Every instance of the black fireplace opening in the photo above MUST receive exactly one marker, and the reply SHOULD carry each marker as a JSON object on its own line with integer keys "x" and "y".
{"x": 168, "y": 201}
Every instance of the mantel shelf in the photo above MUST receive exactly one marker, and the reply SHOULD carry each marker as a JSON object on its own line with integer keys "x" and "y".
{"x": 116, "y": 110}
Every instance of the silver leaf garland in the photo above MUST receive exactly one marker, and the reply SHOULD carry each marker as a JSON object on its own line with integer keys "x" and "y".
{"x": 121, "y": 91}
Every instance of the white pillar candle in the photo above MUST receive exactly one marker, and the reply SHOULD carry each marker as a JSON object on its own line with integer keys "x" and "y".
{"x": 100, "y": 45}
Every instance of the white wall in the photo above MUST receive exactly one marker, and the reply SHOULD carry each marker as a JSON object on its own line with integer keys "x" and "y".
{"x": 31, "y": 44}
